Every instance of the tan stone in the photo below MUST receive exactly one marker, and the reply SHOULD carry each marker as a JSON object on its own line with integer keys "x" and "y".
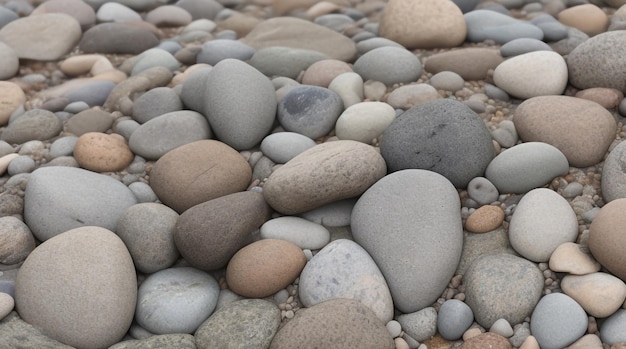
{"x": 574, "y": 259}
{"x": 240, "y": 23}
{"x": 180, "y": 78}
{"x": 484, "y": 219}
{"x": 615, "y": 3}
{"x": 321, "y": 73}
{"x": 568, "y": 123}
{"x": 470, "y": 63}
{"x": 7, "y": 303}
{"x": 82, "y": 64}
{"x": 101, "y": 152}
{"x": 471, "y": 332}
{"x": 487, "y": 340}
{"x": 6, "y": 160}
{"x": 600, "y": 294}
{"x": 423, "y": 24}
{"x": 530, "y": 343}
{"x": 11, "y": 98}
{"x": 589, "y": 341}
{"x": 264, "y": 268}
{"x": 588, "y": 18}
{"x": 323, "y": 174}
{"x": 606, "y": 97}
{"x": 322, "y": 8}
{"x": 198, "y": 172}
{"x": 282, "y": 7}
{"x": 607, "y": 238}
{"x": 407, "y": 96}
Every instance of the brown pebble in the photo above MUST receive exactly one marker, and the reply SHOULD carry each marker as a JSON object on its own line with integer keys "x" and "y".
{"x": 485, "y": 219}
{"x": 101, "y": 152}
{"x": 606, "y": 97}
{"x": 487, "y": 340}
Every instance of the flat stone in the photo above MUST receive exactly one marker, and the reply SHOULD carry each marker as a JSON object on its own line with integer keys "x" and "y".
{"x": 443, "y": 136}
{"x": 487, "y": 340}
{"x": 11, "y": 62}
{"x": 574, "y": 259}
{"x": 247, "y": 323}
{"x": 321, "y": 73}
{"x": 343, "y": 269}
{"x": 558, "y": 321}
{"x": 15, "y": 332}
{"x": 588, "y": 18}
{"x": 284, "y": 146}
{"x": 416, "y": 273}
{"x": 607, "y": 97}
{"x": 168, "y": 16}
{"x": 490, "y": 25}
{"x": 17, "y": 242}
{"x": 335, "y": 214}
{"x": 389, "y": 65}
{"x": 407, "y": 96}
{"x": 197, "y": 172}
{"x": 338, "y": 323}
{"x": 285, "y": 61}
{"x": 523, "y": 45}
{"x": 91, "y": 120}
{"x": 305, "y": 234}
{"x": 156, "y": 102}
{"x": 116, "y": 12}
{"x": 323, "y": 174}
{"x": 93, "y": 304}
{"x": 489, "y": 288}
{"x": 214, "y": 51}
{"x": 364, "y": 121}
{"x": 35, "y": 124}
{"x": 600, "y": 294}
{"x": 117, "y": 38}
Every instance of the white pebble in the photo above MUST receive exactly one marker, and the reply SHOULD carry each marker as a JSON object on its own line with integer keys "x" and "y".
{"x": 400, "y": 343}
{"x": 394, "y": 328}
{"x": 502, "y": 327}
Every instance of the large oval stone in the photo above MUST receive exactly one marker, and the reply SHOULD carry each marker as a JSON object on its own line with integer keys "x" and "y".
{"x": 209, "y": 234}
{"x": 60, "y": 198}
{"x": 323, "y": 174}
{"x": 198, "y": 172}
{"x": 444, "y": 136}
{"x": 607, "y": 238}
{"x": 343, "y": 269}
{"x": 406, "y": 238}
{"x": 614, "y": 174}
{"x": 79, "y": 287}
{"x": 567, "y": 123}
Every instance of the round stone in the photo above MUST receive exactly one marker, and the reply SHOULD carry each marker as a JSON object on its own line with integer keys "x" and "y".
{"x": 532, "y": 74}
{"x": 35, "y": 124}
{"x": 484, "y": 219}
{"x": 600, "y": 294}
{"x": 481, "y": 190}
{"x": 176, "y": 300}
{"x": 16, "y": 239}
{"x": 453, "y": 319}
{"x": 596, "y": 62}
{"x": 364, "y": 121}
{"x": 283, "y": 146}
{"x": 605, "y": 237}
{"x": 612, "y": 330}
{"x": 101, "y": 152}
{"x": 389, "y": 65}
{"x": 264, "y": 267}
{"x": 92, "y": 305}
{"x": 558, "y": 321}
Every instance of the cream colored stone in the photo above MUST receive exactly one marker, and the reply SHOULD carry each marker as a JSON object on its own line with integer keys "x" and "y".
{"x": 322, "y": 8}
{"x": 83, "y": 64}
{"x": 574, "y": 259}
{"x": 282, "y": 7}
{"x": 7, "y": 303}
{"x": 6, "y": 160}
{"x": 532, "y": 74}
{"x": 114, "y": 75}
{"x": 484, "y": 219}
{"x": 101, "y": 152}
{"x": 472, "y": 332}
{"x": 590, "y": 341}
{"x": 408, "y": 96}
{"x": 423, "y": 24}
{"x": 321, "y": 73}
{"x": 11, "y": 98}
{"x": 180, "y": 78}
{"x": 606, "y": 97}
{"x": 607, "y": 238}
{"x": 600, "y": 294}
{"x": 530, "y": 343}
{"x": 587, "y": 18}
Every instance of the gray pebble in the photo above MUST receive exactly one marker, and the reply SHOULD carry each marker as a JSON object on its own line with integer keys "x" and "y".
{"x": 558, "y": 321}
{"x": 502, "y": 327}
{"x": 496, "y": 93}
{"x": 214, "y": 51}
{"x": 389, "y": 65}
{"x": 573, "y": 190}
{"x": 284, "y": 146}
{"x": 10, "y": 62}
{"x": 335, "y": 21}
{"x": 170, "y": 46}
{"x": 284, "y": 61}
{"x": 76, "y": 107}
{"x": 506, "y": 134}
{"x": 156, "y": 102}
{"x": 447, "y": 81}
{"x": 93, "y": 93}
{"x": 523, "y": 45}
{"x": 613, "y": 329}
{"x": 143, "y": 192}
{"x": 481, "y": 190}
{"x": 155, "y": 57}
{"x": 5, "y": 148}
{"x": 420, "y": 325}
{"x": 367, "y": 45}
{"x": 21, "y": 164}
{"x": 125, "y": 128}
{"x": 55, "y": 104}
{"x": 453, "y": 319}
{"x": 262, "y": 168}
{"x": 553, "y": 30}
{"x": 520, "y": 333}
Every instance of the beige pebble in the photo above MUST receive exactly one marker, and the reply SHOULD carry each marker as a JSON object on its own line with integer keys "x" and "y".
{"x": 485, "y": 219}
{"x": 401, "y": 343}
{"x": 600, "y": 294}
{"x": 83, "y": 64}
{"x": 570, "y": 258}
{"x": 114, "y": 75}
{"x": 587, "y": 18}
{"x": 322, "y": 73}
{"x": 590, "y": 341}
{"x": 472, "y": 332}
{"x": 7, "y": 303}
{"x": 101, "y": 152}
{"x": 6, "y": 160}
{"x": 180, "y": 78}
{"x": 530, "y": 343}
{"x": 606, "y": 97}
{"x": 11, "y": 98}
{"x": 322, "y": 8}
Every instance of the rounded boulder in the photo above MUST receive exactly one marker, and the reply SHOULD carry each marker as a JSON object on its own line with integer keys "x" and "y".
{"x": 606, "y": 237}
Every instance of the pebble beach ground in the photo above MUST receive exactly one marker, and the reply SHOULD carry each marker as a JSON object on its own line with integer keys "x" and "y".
{"x": 312, "y": 174}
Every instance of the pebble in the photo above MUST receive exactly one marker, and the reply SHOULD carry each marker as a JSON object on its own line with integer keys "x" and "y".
{"x": 433, "y": 131}
{"x": 557, "y": 321}
{"x": 613, "y": 177}
{"x": 485, "y": 219}
{"x": 214, "y": 51}
{"x": 487, "y": 340}
{"x": 541, "y": 119}
{"x": 343, "y": 269}
{"x": 303, "y": 233}
{"x": 588, "y": 341}
{"x": 364, "y": 121}
{"x": 367, "y": 45}
{"x": 35, "y": 124}
{"x": 588, "y": 18}
{"x": 167, "y": 132}
{"x": 394, "y": 328}
{"x": 155, "y": 102}
{"x": 523, "y": 45}
{"x": 612, "y": 329}
{"x": 407, "y": 96}
{"x": 98, "y": 274}
{"x": 284, "y": 146}
{"x": 142, "y": 192}
{"x": 76, "y": 107}
{"x": 605, "y": 237}
{"x": 174, "y": 340}
{"x": 350, "y": 168}
{"x": 168, "y": 16}
{"x": 116, "y": 12}
{"x": 448, "y": 81}
{"x": 89, "y": 199}
{"x": 335, "y": 214}
{"x": 104, "y": 38}
{"x": 285, "y": 61}
{"x": 502, "y": 327}
{"x": 589, "y": 69}
{"x": 526, "y": 166}
{"x": 395, "y": 252}
{"x": 600, "y": 294}
{"x": 11, "y": 62}
{"x": 453, "y": 319}
{"x": 87, "y": 121}
{"x": 44, "y": 37}
{"x": 606, "y": 97}
{"x": 423, "y": 24}
{"x": 481, "y": 190}
{"x": 337, "y": 323}
{"x": 201, "y": 9}
{"x": 335, "y": 21}
{"x": 420, "y": 325}
{"x": 472, "y": 63}
{"x": 321, "y": 73}
{"x": 213, "y": 169}
{"x": 176, "y": 300}
{"x": 17, "y": 241}
{"x": 490, "y": 25}
{"x": 100, "y": 152}
{"x": 530, "y": 343}
{"x": 573, "y": 259}
{"x": 264, "y": 267}
{"x": 147, "y": 230}
{"x": 389, "y": 65}
{"x": 298, "y": 33}
{"x": 489, "y": 288}
{"x": 21, "y": 164}
{"x": 247, "y": 323}
{"x": 538, "y": 73}
{"x": 119, "y": 98}
{"x": 11, "y": 98}
{"x": 7, "y": 303}
{"x": 350, "y": 87}
{"x": 542, "y": 221}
